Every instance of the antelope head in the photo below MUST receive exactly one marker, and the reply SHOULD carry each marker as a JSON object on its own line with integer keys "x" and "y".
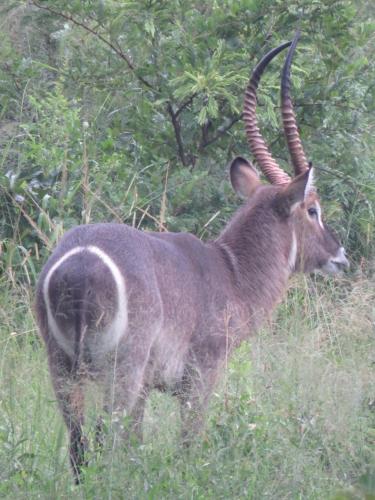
{"x": 293, "y": 201}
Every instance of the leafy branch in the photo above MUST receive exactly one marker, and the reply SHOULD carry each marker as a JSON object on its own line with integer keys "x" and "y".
{"x": 115, "y": 48}
{"x": 177, "y": 132}
{"x": 186, "y": 104}
{"x": 221, "y": 131}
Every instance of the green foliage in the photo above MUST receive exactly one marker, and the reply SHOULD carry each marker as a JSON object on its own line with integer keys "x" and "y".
{"x": 293, "y": 416}
{"x": 131, "y": 110}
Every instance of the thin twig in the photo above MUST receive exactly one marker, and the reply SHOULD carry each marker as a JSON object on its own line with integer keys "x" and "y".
{"x": 185, "y": 104}
{"x": 85, "y": 182}
{"x": 119, "y": 218}
{"x": 163, "y": 205}
{"x": 32, "y": 223}
{"x": 346, "y": 178}
{"x": 111, "y": 45}
{"x": 51, "y": 224}
{"x": 105, "y": 204}
{"x": 221, "y": 132}
{"x": 154, "y": 219}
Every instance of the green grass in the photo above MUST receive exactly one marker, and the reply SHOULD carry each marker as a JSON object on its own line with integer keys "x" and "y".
{"x": 293, "y": 417}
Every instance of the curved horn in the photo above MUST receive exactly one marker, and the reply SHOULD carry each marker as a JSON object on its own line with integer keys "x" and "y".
{"x": 258, "y": 147}
{"x": 297, "y": 154}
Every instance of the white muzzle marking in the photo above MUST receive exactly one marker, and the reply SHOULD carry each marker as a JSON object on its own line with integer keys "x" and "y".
{"x": 337, "y": 263}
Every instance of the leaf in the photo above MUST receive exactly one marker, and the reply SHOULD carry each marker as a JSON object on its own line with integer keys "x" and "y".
{"x": 202, "y": 117}
{"x": 150, "y": 27}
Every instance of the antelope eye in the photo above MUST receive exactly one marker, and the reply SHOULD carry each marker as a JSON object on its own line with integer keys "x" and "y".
{"x": 312, "y": 211}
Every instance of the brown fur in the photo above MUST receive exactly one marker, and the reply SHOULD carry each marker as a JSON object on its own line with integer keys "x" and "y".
{"x": 188, "y": 303}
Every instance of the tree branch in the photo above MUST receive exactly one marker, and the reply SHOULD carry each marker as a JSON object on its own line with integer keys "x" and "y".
{"x": 185, "y": 104}
{"x": 111, "y": 45}
{"x": 177, "y": 133}
{"x": 221, "y": 131}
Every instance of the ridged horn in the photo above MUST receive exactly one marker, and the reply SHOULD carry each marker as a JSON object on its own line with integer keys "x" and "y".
{"x": 258, "y": 147}
{"x": 293, "y": 139}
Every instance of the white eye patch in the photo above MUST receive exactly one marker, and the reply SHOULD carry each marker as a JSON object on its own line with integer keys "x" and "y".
{"x": 319, "y": 210}
{"x": 319, "y": 214}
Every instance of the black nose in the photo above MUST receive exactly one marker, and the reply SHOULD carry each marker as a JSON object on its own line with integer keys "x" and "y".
{"x": 341, "y": 266}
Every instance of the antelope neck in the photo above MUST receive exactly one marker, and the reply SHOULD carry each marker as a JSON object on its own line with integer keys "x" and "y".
{"x": 262, "y": 257}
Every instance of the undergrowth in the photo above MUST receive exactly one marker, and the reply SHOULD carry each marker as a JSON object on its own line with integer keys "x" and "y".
{"x": 293, "y": 416}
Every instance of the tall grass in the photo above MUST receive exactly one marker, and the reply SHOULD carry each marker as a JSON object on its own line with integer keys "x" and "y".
{"x": 293, "y": 417}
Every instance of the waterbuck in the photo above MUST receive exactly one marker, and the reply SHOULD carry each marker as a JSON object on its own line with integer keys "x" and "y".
{"x": 136, "y": 310}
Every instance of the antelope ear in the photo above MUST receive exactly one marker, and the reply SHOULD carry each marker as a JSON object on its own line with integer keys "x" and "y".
{"x": 296, "y": 192}
{"x": 244, "y": 177}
